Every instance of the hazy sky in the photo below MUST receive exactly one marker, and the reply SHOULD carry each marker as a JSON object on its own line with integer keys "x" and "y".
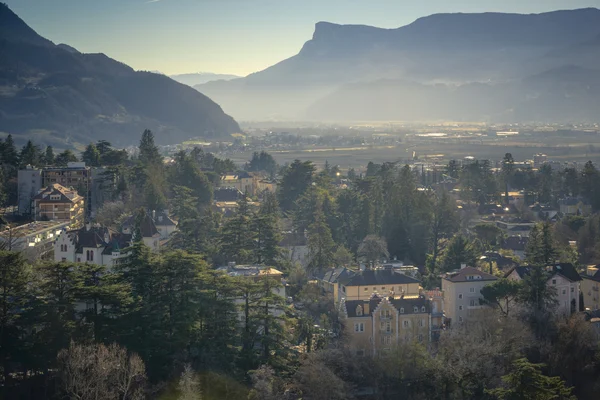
{"x": 228, "y": 36}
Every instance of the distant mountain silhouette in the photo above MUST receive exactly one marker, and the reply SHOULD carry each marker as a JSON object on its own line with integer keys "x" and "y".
{"x": 201, "y": 78}
{"x": 58, "y": 95}
{"x": 342, "y": 66}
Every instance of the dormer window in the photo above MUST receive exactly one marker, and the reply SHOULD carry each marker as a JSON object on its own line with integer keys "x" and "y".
{"x": 416, "y": 309}
{"x": 402, "y": 310}
{"x": 423, "y": 309}
{"x": 359, "y": 311}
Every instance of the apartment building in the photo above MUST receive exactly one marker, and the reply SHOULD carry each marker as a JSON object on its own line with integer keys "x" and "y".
{"x": 29, "y": 183}
{"x": 564, "y": 278}
{"x": 245, "y": 182}
{"x": 590, "y": 288}
{"x": 34, "y": 240}
{"x": 58, "y": 203}
{"x": 462, "y": 292}
{"x": 436, "y": 298}
{"x": 85, "y": 180}
{"x": 374, "y": 326}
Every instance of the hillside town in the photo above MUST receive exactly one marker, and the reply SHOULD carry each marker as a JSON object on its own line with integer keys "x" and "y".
{"x": 305, "y": 261}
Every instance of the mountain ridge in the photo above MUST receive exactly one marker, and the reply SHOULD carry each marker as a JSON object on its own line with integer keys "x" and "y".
{"x": 451, "y": 48}
{"x": 59, "y": 96}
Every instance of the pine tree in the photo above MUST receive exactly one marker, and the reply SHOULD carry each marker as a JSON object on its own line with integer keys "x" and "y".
{"x": 508, "y": 166}
{"x": 237, "y": 237}
{"x": 320, "y": 242}
{"x": 541, "y": 247}
{"x": 10, "y": 156}
{"x": 14, "y": 303}
{"x": 526, "y": 382}
{"x": 58, "y": 283}
{"x": 30, "y": 154}
{"x": 62, "y": 159}
{"x": 266, "y": 242}
{"x": 149, "y": 153}
{"x": 91, "y": 156}
{"x": 49, "y": 156}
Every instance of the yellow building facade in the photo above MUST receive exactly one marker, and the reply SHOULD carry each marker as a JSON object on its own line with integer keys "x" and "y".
{"x": 590, "y": 288}
{"x": 376, "y": 325}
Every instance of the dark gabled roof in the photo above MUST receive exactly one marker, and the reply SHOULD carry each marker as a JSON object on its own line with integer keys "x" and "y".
{"x": 92, "y": 237}
{"x": 334, "y": 275}
{"x": 462, "y": 274}
{"x": 147, "y": 226}
{"x": 162, "y": 218}
{"x": 380, "y": 277}
{"x": 99, "y": 237}
{"x": 566, "y": 270}
{"x": 408, "y": 304}
{"x": 227, "y": 194}
{"x": 118, "y": 242}
{"x": 522, "y": 271}
{"x": 595, "y": 277}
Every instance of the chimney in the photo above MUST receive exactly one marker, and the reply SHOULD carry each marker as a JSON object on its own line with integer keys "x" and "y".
{"x": 463, "y": 265}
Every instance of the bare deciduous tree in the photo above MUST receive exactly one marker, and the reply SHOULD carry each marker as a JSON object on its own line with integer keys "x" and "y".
{"x": 101, "y": 372}
{"x": 189, "y": 386}
{"x": 372, "y": 248}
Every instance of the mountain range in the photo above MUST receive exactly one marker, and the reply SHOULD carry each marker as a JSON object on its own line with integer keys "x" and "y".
{"x": 200, "y": 78}
{"x": 478, "y": 67}
{"x": 60, "y": 96}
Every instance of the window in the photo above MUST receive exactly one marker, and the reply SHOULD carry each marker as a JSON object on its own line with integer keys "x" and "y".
{"x": 459, "y": 319}
{"x": 405, "y": 323}
{"x": 421, "y": 323}
{"x": 572, "y": 289}
{"x": 359, "y": 310}
{"x": 392, "y": 289}
{"x": 366, "y": 289}
{"x": 472, "y": 303}
{"x": 423, "y": 309}
{"x": 388, "y": 327}
{"x": 383, "y": 288}
{"x": 344, "y": 289}
{"x": 460, "y": 308}
{"x": 64, "y": 259}
{"x": 564, "y": 291}
{"x": 374, "y": 289}
{"x": 89, "y": 255}
{"x": 460, "y": 296}
{"x": 472, "y": 290}
{"x": 402, "y": 310}
{"x": 554, "y": 281}
{"x": 386, "y": 339}
{"x": 415, "y": 309}
{"x": 420, "y": 338}
{"x": 359, "y": 327}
